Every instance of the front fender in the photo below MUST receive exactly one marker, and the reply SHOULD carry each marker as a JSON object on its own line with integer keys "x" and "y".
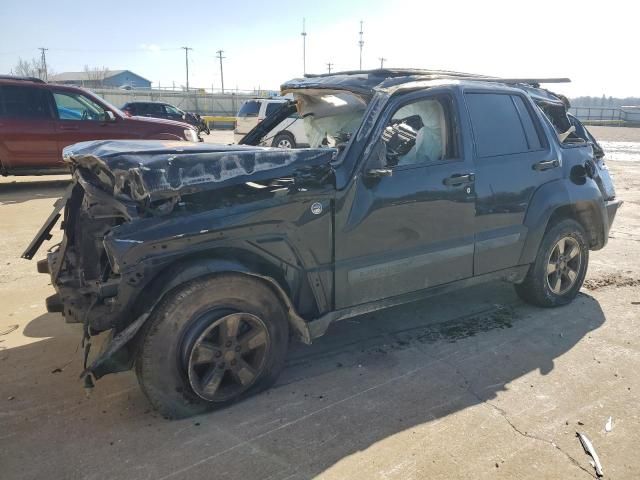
{"x": 117, "y": 355}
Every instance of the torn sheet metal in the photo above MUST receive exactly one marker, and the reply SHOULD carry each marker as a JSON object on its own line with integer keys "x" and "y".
{"x": 588, "y": 448}
{"x": 149, "y": 170}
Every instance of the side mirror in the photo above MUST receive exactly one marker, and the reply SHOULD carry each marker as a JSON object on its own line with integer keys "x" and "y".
{"x": 109, "y": 116}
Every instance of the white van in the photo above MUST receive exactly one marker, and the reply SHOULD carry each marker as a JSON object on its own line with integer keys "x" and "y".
{"x": 287, "y": 134}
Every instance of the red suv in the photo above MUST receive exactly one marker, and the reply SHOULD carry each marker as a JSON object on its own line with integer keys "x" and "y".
{"x": 39, "y": 119}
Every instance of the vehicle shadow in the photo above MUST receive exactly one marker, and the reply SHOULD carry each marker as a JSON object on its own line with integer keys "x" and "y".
{"x": 18, "y": 191}
{"x": 369, "y": 378}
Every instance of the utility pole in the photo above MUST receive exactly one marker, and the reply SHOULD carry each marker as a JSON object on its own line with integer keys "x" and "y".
{"x": 382, "y": 60}
{"x": 43, "y": 56}
{"x": 220, "y": 52}
{"x": 186, "y": 61}
{"x": 304, "y": 47}
{"x": 329, "y": 65}
{"x": 361, "y": 43}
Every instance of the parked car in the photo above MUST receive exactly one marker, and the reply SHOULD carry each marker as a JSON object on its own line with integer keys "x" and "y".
{"x": 289, "y": 133}
{"x": 202, "y": 260}
{"x": 165, "y": 110}
{"x": 39, "y": 119}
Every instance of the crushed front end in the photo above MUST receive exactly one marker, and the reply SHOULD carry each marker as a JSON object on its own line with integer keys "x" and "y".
{"x": 134, "y": 208}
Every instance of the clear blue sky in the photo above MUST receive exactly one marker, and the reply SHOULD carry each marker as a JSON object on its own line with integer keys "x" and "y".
{"x": 263, "y": 45}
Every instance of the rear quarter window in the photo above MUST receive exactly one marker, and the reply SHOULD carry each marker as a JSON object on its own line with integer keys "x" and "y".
{"x": 497, "y": 126}
{"x": 250, "y": 108}
{"x": 24, "y": 102}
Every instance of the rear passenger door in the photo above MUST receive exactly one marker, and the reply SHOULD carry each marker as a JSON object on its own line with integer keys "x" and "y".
{"x": 27, "y": 132}
{"x": 512, "y": 160}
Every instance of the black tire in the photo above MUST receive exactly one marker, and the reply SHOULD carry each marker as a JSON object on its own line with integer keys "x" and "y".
{"x": 174, "y": 330}
{"x": 282, "y": 139}
{"x": 537, "y": 287}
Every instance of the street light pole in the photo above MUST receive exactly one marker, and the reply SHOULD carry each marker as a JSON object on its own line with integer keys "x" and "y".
{"x": 382, "y": 60}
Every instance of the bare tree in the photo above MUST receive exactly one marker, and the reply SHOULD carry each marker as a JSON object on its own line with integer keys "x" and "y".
{"x": 29, "y": 68}
{"x": 96, "y": 75}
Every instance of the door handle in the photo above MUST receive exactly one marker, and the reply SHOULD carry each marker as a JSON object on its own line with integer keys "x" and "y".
{"x": 545, "y": 165}
{"x": 459, "y": 179}
{"x": 68, "y": 127}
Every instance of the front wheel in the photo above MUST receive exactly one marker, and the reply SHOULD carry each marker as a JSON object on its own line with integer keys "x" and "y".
{"x": 284, "y": 140}
{"x": 556, "y": 276}
{"x": 210, "y": 342}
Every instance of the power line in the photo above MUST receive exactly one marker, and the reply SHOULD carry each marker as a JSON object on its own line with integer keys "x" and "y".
{"x": 186, "y": 62}
{"x": 361, "y": 43}
{"x": 43, "y": 56}
{"x": 382, "y": 60}
{"x": 220, "y": 52}
{"x": 304, "y": 47}
{"x": 329, "y": 65}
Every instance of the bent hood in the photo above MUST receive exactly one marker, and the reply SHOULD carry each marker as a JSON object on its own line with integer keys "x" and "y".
{"x": 149, "y": 170}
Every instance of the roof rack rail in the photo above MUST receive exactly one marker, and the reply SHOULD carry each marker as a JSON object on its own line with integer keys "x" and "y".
{"x": 534, "y": 82}
{"x": 443, "y": 75}
{"x": 396, "y": 72}
{"x": 21, "y": 79}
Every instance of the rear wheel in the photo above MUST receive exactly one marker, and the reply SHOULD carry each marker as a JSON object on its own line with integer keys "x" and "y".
{"x": 557, "y": 274}
{"x": 211, "y": 342}
{"x": 284, "y": 140}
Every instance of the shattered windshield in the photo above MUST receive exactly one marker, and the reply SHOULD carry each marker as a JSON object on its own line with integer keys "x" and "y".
{"x": 330, "y": 118}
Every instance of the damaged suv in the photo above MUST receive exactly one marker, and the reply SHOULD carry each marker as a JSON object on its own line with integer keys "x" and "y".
{"x": 201, "y": 261}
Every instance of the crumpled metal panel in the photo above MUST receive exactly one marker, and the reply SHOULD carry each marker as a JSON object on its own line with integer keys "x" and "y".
{"x": 152, "y": 170}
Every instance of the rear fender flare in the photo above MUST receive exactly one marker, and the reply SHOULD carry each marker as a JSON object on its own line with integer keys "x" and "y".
{"x": 583, "y": 203}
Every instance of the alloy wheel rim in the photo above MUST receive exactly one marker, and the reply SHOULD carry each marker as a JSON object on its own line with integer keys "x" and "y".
{"x": 284, "y": 143}
{"x": 563, "y": 265}
{"x": 228, "y": 356}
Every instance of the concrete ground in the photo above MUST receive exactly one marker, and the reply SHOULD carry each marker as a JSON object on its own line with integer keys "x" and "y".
{"x": 473, "y": 384}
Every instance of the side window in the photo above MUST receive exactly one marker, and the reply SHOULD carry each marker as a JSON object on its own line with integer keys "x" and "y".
{"x": 24, "y": 102}
{"x": 171, "y": 110}
{"x": 250, "y": 108}
{"x": 75, "y": 106}
{"x": 272, "y": 107}
{"x": 497, "y": 127}
{"x": 155, "y": 109}
{"x": 419, "y": 132}
{"x": 533, "y": 138}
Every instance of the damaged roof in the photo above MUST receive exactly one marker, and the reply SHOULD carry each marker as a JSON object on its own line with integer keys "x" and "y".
{"x": 366, "y": 82}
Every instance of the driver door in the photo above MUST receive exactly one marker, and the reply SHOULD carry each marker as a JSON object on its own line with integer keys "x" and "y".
{"x": 408, "y": 224}
{"x": 81, "y": 119}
